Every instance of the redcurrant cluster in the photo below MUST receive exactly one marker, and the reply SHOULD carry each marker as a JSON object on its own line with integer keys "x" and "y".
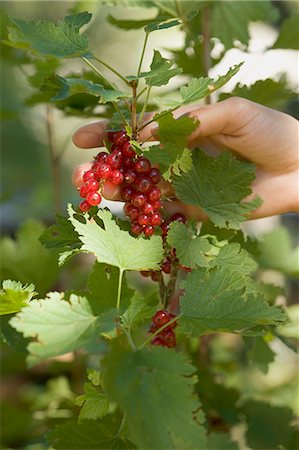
{"x": 138, "y": 180}
{"x": 166, "y": 337}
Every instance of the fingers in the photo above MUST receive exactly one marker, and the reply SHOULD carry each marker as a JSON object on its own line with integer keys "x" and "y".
{"x": 91, "y": 136}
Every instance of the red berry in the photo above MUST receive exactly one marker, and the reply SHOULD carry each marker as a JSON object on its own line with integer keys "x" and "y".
{"x": 154, "y": 194}
{"x": 153, "y": 328}
{"x": 148, "y": 208}
{"x": 173, "y": 324}
{"x": 143, "y": 220}
{"x": 116, "y": 177}
{"x": 145, "y": 273}
{"x": 130, "y": 176}
{"x": 165, "y": 228}
{"x": 142, "y": 165}
{"x": 138, "y": 199}
{"x": 94, "y": 198}
{"x": 115, "y": 159}
{"x": 155, "y": 275}
{"x": 155, "y": 175}
{"x": 115, "y": 136}
{"x": 143, "y": 184}
{"x": 83, "y": 191}
{"x": 104, "y": 171}
{"x": 148, "y": 230}
{"x": 168, "y": 337}
{"x": 127, "y": 149}
{"x": 128, "y": 162}
{"x": 161, "y": 317}
{"x": 136, "y": 229}
{"x": 157, "y": 341}
{"x": 156, "y": 220}
{"x": 92, "y": 185}
{"x": 157, "y": 205}
{"x": 132, "y": 211}
{"x": 127, "y": 193}
{"x": 89, "y": 175}
{"x": 101, "y": 157}
{"x": 178, "y": 217}
{"x": 166, "y": 266}
{"x": 84, "y": 206}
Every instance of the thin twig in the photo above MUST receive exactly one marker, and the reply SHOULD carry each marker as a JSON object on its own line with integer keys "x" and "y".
{"x": 112, "y": 70}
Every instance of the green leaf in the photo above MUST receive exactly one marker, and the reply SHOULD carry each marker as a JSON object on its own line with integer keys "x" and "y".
{"x": 160, "y": 72}
{"x": 151, "y": 380}
{"x": 43, "y": 37}
{"x": 230, "y": 19}
{"x": 277, "y": 253}
{"x": 217, "y": 441}
{"x": 222, "y": 80}
{"x": 218, "y": 186}
{"x": 259, "y": 353}
{"x": 269, "y": 426}
{"x": 91, "y": 435}
{"x": 271, "y": 93}
{"x": 58, "y": 325}
{"x": 190, "y": 248}
{"x": 94, "y": 404}
{"x": 289, "y": 33}
{"x": 140, "y": 309}
{"x": 113, "y": 246}
{"x": 196, "y": 89}
{"x": 155, "y": 26}
{"x": 213, "y": 301}
{"x": 103, "y": 285}
{"x": 127, "y": 24}
{"x": 26, "y": 260}
{"x": 181, "y": 165}
{"x": 14, "y": 296}
{"x": 60, "y": 235}
{"x": 234, "y": 258}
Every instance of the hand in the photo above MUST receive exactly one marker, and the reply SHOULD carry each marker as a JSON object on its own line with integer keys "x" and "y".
{"x": 262, "y": 135}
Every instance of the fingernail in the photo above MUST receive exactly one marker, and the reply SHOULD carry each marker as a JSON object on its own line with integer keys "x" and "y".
{"x": 155, "y": 130}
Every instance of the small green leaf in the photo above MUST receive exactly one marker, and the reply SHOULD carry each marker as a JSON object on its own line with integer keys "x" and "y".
{"x": 218, "y": 186}
{"x": 94, "y": 404}
{"x": 222, "y": 80}
{"x": 151, "y": 380}
{"x": 43, "y": 37}
{"x": 58, "y": 325}
{"x": 289, "y": 33}
{"x": 213, "y": 301}
{"x": 113, "y": 246}
{"x": 196, "y": 89}
{"x": 155, "y": 26}
{"x": 14, "y": 296}
{"x": 190, "y": 249}
{"x": 160, "y": 72}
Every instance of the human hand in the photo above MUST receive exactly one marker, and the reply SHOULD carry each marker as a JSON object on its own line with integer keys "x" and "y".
{"x": 262, "y": 135}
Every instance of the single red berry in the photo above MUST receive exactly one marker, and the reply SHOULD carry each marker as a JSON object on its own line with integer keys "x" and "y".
{"x": 83, "y": 191}
{"x": 178, "y": 217}
{"x": 132, "y": 211}
{"x": 128, "y": 162}
{"x": 143, "y": 184}
{"x": 94, "y": 198}
{"x": 127, "y": 149}
{"x": 116, "y": 177}
{"x": 154, "y": 194}
{"x": 161, "y": 317}
{"x": 148, "y": 208}
{"x": 155, "y": 275}
{"x": 165, "y": 228}
{"x": 155, "y": 175}
{"x": 138, "y": 199}
{"x": 84, "y": 206}
{"x": 104, "y": 171}
{"x": 157, "y": 341}
{"x": 136, "y": 229}
{"x": 92, "y": 186}
{"x": 156, "y": 219}
{"x": 101, "y": 157}
{"x": 157, "y": 205}
{"x": 115, "y": 159}
{"x": 143, "y": 220}
{"x": 130, "y": 176}
{"x": 168, "y": 337}
{"x": 127, "y": 193}
{"x": 142, "y": 165}
{"x": 145, "y": 273}
{"x": 166, "y": 266}
{"x": 148, "y": 230}
{"x": 89, "y": 175}
{"x": 115, "y": 136}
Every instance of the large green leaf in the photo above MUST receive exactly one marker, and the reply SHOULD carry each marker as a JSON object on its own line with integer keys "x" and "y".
{"x": 113, "y": 246}
{"x": 161, "y": 71}
{"x": 43, "y": 37}
{"x": 214, "y": 301}
{"x": 14, "y": 296}
{"x": 289, "y": 33}
{"x": 218, "y": 186}
{"x": 58, "y": 326}
{"x": 234, "y": 258}
{"x": 155, "y": 390}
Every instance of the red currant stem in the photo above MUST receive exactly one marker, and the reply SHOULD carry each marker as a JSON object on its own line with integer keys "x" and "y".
{"x": 55, "y": 160}
{"x": 142, "y": 54}
{"x": 148, "y": 340}
{"x": 112, "y": 70}
{"x": 121, "y": 114}
{"x": 97, "y": 71}
{"x": 172, "y": 282}
{"x": 162, "y": 289}
{"x": 120, "y": 280}
{"x": 144, "y": 105}
{"x": 141, "y": 93}
{"x": 134, "y": 109}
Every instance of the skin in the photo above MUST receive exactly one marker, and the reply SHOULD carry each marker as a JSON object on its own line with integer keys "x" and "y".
{"x": 261, "y": 135}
